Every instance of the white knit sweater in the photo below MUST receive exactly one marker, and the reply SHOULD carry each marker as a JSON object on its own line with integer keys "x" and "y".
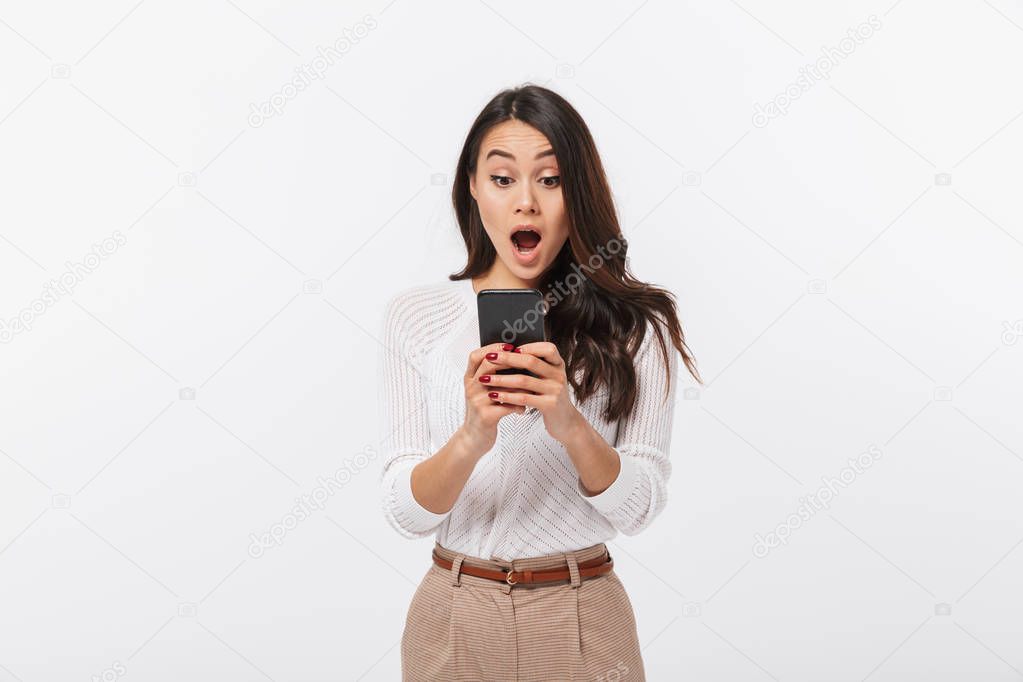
{"x": 524, "y": 498}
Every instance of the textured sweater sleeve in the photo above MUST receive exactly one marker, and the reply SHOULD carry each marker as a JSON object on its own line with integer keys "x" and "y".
{"x": 639, "y": 493}
{"x": 404, "y": 424}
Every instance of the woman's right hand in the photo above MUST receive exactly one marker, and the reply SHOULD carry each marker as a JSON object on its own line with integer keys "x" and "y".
{"x": 481, "y": 412}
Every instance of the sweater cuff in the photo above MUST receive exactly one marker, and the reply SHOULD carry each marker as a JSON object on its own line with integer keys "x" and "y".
{"x": 619, "y": 490}
{"x": 409, "y": 513}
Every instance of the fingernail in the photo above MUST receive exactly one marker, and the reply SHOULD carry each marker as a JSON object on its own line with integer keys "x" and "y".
{"x": 516, "y": 351}
{"x": 507, "y": 346}
{"x": 491, "y": 356}
{"x": 485, "y": 378}
{"x": 492, "y": 395}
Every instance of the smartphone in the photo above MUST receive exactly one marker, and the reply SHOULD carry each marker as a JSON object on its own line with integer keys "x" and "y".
{"x": 516, "y": 316}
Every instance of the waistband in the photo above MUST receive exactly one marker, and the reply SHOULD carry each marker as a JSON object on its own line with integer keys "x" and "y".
{"x": 538, "y": 563}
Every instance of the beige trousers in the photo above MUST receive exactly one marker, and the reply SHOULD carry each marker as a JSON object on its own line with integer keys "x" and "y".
{"x": 464, "y": 628}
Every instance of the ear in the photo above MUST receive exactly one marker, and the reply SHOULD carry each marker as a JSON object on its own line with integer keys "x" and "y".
{"x": 472, "y": 185}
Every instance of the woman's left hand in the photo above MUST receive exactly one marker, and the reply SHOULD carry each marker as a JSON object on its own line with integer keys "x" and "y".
{"x": 548, "y": 391}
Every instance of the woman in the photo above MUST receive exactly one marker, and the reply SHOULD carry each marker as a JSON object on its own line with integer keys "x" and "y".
{"x": 533, "y": 474}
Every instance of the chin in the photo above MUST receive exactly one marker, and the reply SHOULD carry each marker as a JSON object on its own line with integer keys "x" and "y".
{"x": 526, "y": 271}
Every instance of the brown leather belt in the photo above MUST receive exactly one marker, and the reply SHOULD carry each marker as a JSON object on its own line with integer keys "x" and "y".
{"x": 587, "y": 569}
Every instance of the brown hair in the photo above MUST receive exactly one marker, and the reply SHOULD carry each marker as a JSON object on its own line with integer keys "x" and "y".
{"x": 599, "y": 327}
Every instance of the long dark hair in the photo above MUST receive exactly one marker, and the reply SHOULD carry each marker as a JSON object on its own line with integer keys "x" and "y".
{"x": 599, "y": 326}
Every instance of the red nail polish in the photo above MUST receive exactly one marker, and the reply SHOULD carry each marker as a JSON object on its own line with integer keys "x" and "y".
{"x": 492, "y": 395}
{"x": 507, "y": 346}
{"x": 491, "y": 356}
{"x": 485, "y": 378}
{"x": 516, "y": 351}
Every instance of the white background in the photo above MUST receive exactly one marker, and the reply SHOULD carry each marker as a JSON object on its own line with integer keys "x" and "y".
{"x": 848, "y": 276}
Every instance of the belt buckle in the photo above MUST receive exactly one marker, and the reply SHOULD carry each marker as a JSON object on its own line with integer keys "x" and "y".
{"x": 508, "y": 578}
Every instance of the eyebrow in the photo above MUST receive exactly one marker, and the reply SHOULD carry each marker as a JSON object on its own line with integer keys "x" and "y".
{"x": 501, "y": 152}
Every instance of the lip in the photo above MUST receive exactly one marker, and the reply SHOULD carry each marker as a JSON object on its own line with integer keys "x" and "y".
{"x": 527, "y": 226}
{"x": 526, "y": 258}
{"x": 533, "y": 256}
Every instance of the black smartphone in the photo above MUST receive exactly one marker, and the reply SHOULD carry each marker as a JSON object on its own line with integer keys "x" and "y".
{"x": 516, "y": 316}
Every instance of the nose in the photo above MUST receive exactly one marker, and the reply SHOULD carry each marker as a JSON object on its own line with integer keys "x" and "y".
{"x": 526, "y": 202}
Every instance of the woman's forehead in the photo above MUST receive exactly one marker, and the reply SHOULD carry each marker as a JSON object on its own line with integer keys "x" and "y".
{"x": 520, "y": 143}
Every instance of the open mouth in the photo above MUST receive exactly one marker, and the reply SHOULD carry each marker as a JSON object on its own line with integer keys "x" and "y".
{"x": 525, "y": 240}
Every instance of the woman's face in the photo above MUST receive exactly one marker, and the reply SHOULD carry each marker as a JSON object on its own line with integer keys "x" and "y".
{"x": 518, "y": 190}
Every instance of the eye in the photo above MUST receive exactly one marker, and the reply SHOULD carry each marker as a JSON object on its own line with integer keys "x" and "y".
{"x": 556, "y": 178}
{"x": 495, "y": 179}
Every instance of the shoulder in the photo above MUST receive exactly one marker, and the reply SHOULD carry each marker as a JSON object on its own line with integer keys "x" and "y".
{"x": 423, "y": 311}
{"x": 651, "y": 355}
{"x": 423, "y": 300}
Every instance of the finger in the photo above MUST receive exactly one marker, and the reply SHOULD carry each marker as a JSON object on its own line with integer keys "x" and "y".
{"x": 476, "y": 357}
{"x": 544, "y": 350}
{"x": 479, "y": 387}
{"x": 523, "y": 399}
{"x": 484, "y": 401}
{"x": 516, "y": 381}
{"x": 521, "y": 360}
{"x": 490, "y": 366}
{"x": 493, "y": 402}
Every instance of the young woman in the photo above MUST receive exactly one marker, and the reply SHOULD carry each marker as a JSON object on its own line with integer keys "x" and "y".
{"x": 533, "y": 474}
